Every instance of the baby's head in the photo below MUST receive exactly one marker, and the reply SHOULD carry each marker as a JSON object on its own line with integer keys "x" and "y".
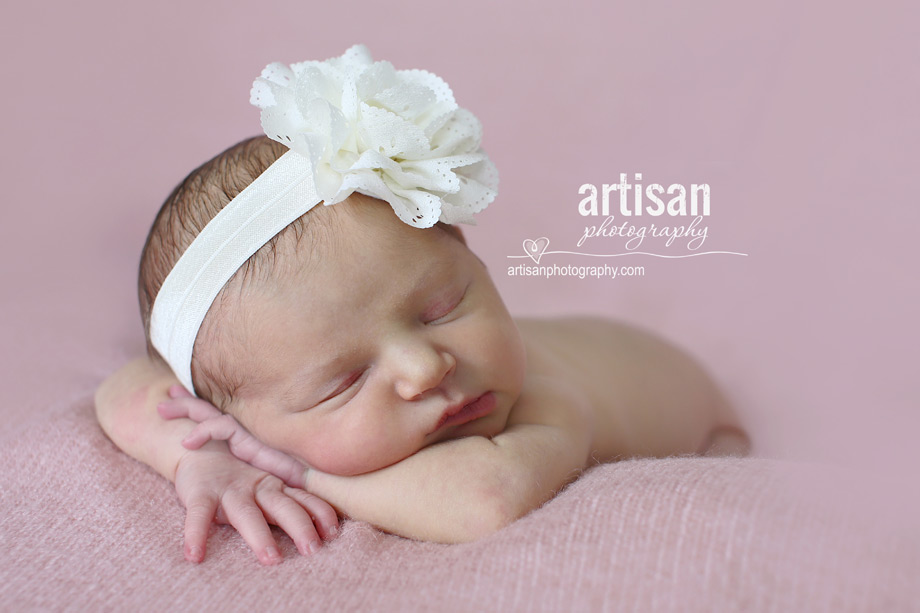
{"x": 351, "y": 339}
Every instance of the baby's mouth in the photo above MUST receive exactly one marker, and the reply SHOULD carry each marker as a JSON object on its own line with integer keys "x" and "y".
{"x": 465, "y": 413}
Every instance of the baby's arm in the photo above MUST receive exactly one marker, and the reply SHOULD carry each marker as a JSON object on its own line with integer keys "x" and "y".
{"x": 126, "y": 410}
{"x": 210, "y": 482}
{"x": 460, "y": 490}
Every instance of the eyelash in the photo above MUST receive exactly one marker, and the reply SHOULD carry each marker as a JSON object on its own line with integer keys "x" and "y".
{"x": 346, "y": 385}
{"x": 450, "y": 310}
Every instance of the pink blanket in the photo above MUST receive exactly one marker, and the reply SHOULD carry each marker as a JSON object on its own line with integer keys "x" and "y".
{"x": 85, "y": 527}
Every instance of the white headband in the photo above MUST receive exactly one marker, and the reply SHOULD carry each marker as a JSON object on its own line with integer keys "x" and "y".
{"x": 352, "y": 125}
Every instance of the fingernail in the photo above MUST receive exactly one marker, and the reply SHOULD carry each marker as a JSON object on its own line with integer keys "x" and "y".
{"x": 313, "y": 547}
{"x": 272, "y": 555}
{"x": 333, "y": 531}
{"x": 195, "y": 554}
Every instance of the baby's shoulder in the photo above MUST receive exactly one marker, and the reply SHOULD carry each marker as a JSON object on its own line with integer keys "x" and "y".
{"x": 649, "y": 396}
{"x": 599, "y": 346}
{"x": 582, "y": 337}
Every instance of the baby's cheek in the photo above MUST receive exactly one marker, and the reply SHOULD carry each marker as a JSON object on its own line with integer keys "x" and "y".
{"x": 330, "y": 456}
{"x": 508, "y": 353}
{"x": 350, "y": 451}
{"x": 342, "y": 459}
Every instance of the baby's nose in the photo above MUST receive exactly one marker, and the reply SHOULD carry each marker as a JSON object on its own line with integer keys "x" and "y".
{"x": 422, "y": 369}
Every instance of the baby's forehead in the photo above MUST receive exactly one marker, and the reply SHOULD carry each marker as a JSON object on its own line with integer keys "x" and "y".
{"x": 321, "y": 234}
{"x": 351, "y": 258}
{"x": 342, "y": 257}
{"x": 353, "y": 231}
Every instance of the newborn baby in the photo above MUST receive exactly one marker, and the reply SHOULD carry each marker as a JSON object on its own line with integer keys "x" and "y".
{"x": 377, "y": 369}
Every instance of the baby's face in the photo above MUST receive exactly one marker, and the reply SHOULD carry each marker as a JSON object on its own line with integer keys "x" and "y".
{"x": 390, "y": 339}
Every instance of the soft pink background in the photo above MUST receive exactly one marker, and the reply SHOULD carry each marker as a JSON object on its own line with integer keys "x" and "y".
{"x": 801, "y": 116}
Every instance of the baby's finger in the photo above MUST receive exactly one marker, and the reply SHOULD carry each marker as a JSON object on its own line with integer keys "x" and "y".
{"x": 220, "y": 517}
{"x": 290, "y": 517}
{"x": 193, "y": 408}
{"x": 247, "y": 448}
{"x": 199, "y": 512}
{"x": 177, "y": 391}
{"x": 325, "y": 519}
{"x": 270, "y": 460}
{"x": 249, "y": 521}
{"x": 219, "y": 429}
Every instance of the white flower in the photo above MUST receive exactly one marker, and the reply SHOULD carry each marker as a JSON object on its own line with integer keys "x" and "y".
{"x": 397, "y": 135}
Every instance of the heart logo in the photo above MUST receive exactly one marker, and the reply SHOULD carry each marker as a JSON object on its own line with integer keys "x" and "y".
{"x": 536, "y": 248}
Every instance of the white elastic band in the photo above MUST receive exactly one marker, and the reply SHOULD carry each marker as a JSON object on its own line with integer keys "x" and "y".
{"x": 277, "y": 197}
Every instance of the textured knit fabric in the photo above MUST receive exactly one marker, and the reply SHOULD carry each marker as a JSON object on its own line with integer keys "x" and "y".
{"x": 85, "y": 527}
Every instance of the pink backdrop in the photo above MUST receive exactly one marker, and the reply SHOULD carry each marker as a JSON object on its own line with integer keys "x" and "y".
{"x": 801, "y": 116}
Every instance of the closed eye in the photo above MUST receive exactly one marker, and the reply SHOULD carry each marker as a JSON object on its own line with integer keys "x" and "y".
{"x": 347, "y": 384}
{"x": 441, "y": 312}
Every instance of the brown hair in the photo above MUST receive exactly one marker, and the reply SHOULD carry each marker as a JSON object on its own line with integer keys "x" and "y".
{"x": 187, "y": 210}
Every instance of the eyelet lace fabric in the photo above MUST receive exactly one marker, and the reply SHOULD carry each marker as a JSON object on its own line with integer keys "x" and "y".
{"x": 397, "y": 135}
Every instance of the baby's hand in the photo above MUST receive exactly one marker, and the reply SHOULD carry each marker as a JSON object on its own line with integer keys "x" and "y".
{"x": 214, "y": 425}
{"x": 214, "y": 485}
